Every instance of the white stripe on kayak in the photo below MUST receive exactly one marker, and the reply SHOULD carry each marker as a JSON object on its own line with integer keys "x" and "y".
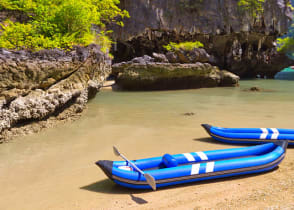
{"x": 209, "y": 167}
{"x": 202, "y": 155}
{"x": 264, "y": 133}
{"x": 195, "y": 169}
{"x": 189, "y": 157}
{"x": 275, "y": 133}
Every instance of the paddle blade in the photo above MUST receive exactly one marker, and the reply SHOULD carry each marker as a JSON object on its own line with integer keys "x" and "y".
{"x": 151, "y": 181}
{"x": 115, "y": 151}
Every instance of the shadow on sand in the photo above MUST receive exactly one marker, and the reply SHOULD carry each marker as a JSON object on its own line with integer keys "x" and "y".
{"x": 108, "y": 187}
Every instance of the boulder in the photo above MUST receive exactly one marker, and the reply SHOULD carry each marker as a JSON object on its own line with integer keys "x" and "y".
{"x": 229, "y": 79}
{"x": 159, "y": 57}
{"x": 172, "y": 57}
{"x": 170, "y": 76}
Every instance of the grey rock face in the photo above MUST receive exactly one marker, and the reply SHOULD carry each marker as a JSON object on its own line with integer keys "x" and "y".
{"x": 188, "y": 56}
{"x": 34, "y": 86}
{"x": 235, "y": 40}
{"x": 207, "y": 17}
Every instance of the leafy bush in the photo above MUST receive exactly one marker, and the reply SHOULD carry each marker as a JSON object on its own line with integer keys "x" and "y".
{"x": 255, "y": 7}
{"x": 22, "y": 5}
{"x": 285, "y": 43}
{"x": 172, "y": 46}
{"x": 59, "y": 23}
{"x": 17, "y": 35}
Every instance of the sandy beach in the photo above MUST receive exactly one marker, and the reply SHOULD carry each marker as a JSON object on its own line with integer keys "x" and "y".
{"x": 55, "y": 169}
{"x": 80, "y": 78}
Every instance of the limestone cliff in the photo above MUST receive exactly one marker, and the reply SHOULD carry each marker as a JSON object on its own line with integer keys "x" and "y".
{"x": 240, "y": 43}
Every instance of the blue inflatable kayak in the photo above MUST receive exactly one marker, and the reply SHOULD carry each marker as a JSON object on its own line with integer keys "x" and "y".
{"x": 195, "y": 166}
{"x": 250, "y": 135}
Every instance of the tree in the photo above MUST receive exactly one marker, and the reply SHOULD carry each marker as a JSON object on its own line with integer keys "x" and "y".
{"x": 59, "y": 23}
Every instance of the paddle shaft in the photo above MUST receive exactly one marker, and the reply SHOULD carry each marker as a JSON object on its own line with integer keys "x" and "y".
{"x": 150, "y": 179}
{"x": 139, "y": 170}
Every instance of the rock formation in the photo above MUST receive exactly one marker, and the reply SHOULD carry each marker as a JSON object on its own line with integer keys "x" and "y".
{"x": 239, "y": 42}
{"x": 142, "y": 73}
{"x": 37, "y": 85}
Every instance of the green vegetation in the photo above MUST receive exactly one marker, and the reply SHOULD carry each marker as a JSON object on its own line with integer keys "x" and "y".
{"x": 59, "y": 23}
{"x": 21, "y": 5}
{"x": 183, "y": 46}
{"x": 286, "y": 42}
{"x": 288, "y": 3}
{"x": 255, "y": 7}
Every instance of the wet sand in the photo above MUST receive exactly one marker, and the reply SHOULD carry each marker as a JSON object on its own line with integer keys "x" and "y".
{"x": 55, "y": 169}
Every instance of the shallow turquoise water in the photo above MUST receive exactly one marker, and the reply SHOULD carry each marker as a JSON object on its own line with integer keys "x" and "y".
{"x": 165, "y": 108}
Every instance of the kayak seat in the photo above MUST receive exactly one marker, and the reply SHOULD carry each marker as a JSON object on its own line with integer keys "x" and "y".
{"x": 169, "y": 161}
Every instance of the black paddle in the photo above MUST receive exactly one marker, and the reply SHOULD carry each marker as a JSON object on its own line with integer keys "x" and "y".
{"x": 150, "y": 179}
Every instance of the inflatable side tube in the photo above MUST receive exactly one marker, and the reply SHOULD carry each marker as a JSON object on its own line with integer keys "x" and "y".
{"x": 251, "y": 138}
{"x": 271, "y": 156}
{"x": 252, "y": 130}
{"x": 216, "y": 171}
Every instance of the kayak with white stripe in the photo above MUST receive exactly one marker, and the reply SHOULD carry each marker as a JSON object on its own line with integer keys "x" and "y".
{"x": 250, "y": 135}
{"x": 195, "y": 166}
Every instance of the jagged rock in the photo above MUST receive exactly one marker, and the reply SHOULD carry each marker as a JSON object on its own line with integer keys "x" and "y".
{"x": 142, "y": 60}
{"x": 188, "y": 114}
{"x": 165, "y": 76}
{"x": 209, "y": 17}
{"x": 254, "y": 89}
{"x": 93, "y": 88}
{"x": 11, "y": 94}
{"x": 35, "y": 86}
{"x": 48, "y": 54}
{"x": 182, "y": 57}
{"x": 47, "y": 83}
{"x": 190, "y": 56}
{"x": 139, "y": 60}
{"x": 172, "y": 57}
{"x": 158, "y": 57}
{"x": 229, "y": 79}
{"x": 258, "y": 89}
{"x": 237, "y": 41}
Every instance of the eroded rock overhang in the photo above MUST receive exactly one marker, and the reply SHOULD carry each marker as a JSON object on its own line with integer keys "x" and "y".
{"x": 239, "y": 42}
